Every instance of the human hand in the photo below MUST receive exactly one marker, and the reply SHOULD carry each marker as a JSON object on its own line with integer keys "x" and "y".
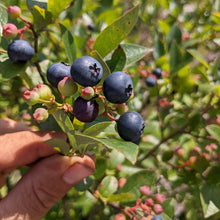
{"x": 50, "y": 177}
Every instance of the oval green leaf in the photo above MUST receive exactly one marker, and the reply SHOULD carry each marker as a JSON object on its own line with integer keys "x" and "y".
{"x": 113, "y": 34}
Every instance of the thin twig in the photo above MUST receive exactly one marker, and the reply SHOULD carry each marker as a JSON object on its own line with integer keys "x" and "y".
{"x": 174, "y": 134}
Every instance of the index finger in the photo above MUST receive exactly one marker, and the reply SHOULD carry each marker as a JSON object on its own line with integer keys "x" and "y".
{"x": 25, "y": 147}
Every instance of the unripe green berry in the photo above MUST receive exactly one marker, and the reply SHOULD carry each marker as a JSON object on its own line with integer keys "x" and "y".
{"x": 44, "y": 92}
{"x": 13, "y": 11}
{"x": 10, "y": 31}
{"x": 31, "y": 97}
{"x": 40, "y": 114}
{"x": 67, "y": 86}
{"x": 87, "y": 93}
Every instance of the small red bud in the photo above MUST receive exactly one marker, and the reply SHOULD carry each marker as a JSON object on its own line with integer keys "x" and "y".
{"x": 145, "y": 190}
{"x": 31, "y": 97}
{"x": 180, "y": 152}
{"x": 40, "y": 114}
{"x": 10, "y": 31}
{"x": 149, "y": 202}
{"x": 120, "y": 216}
{"x": 160, "y": 198}
{"x": 158, "y": 209}
{"x": 26, "y": 116}
{"x": 87, "y": 93}
{"x": 121, "y": 182}
{"x": 13, "y": 11}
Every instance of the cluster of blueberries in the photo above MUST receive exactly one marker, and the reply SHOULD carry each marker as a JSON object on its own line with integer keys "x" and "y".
{"x": 151, "y": 81}
{"x": 86, "y": 71}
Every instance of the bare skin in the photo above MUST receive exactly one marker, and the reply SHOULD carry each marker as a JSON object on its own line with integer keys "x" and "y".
{"x": 49, "y": 178}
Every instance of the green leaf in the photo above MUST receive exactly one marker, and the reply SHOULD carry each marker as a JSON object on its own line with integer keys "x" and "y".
{"x": 175, "y": 57}
{"x": 113, "y": 34}
{"x": 134, "y": 52}
{"x": 168, "y": 206}
{"x": 8, "y": 69}
{"x": 128, "y": 149}
{"x": 138, "y": 179}
{"x": 41, "y": 17}
{"x": 159, "y": 49}
{"x": 69, "y": 43}
{"x": 96, "y": 129}
{"x": 40, "y": 3}
{"x": 209, "y": 196}
{"x": 215, "y": 67}
{"x": 84, "y": 184}
{"x": 121, "y": 197}
{"x": 100, "y": 167}
{"x": 196, "y": 54}
{"x": 66, "y": 125}
{"x": 106, "y": 70}
{"x": 214, "y": 131}
{"x": 174, "y": 35}
{"x": 165, "y": 216}
{"x": 56, "y": 6}
{"x": 59, "y": 144}
{"x": 118, "y": 60}
{"x": 3, "y": 17}
{"x": 108, "y": 186}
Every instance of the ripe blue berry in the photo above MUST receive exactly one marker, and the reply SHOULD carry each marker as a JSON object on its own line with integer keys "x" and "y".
{"x": 86, "y": 71}
{"x": 157, "y": 72}
{"x": 20, "y": 51}
{"x": 56, "y": 72}
{"x": 117, "y": 87}
{"x": 150, "y": 81}
{"x": 85, "y": 110}
{"x": 157, "y": 217}
{"x": 130, "y": 126}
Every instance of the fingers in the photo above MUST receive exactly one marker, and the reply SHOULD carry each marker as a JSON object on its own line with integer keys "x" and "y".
{"x": 9, "y": 126}
{"x": 24, "y": 147}
{"x": 43, "y": 185}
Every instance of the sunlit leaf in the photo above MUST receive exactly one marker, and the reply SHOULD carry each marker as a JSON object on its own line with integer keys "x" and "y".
{"x": 113, "y": 34}
{"x": 3, "y": 17}
{"x": 66, "y": 125}
{"x": 108, "y": 186}
{"x": 56, "y": 6}
{"x": 96, "y": 129}
{"x": 134, "y": 52}
{"x": 214, "y": 131}
{"x": 59, "y": 144}
{"x": 209, "y": 196}
{"x": 118, "y": 60}
{"x": 42, "y": 17}
{"x": 69, "y": 43}
{"x": 196, "y": 54}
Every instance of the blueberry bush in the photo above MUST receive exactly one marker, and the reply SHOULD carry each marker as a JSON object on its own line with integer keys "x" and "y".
{"x": 135, "y": 82}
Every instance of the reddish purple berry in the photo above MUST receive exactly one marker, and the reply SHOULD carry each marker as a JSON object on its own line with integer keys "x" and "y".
{"x": 85, "y": 110}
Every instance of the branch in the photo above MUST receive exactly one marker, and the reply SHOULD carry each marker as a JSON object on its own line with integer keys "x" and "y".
{"x": 151, "y": 152}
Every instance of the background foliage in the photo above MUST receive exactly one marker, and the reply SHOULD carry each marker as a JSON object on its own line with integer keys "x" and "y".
{"x": 181, "y": 112}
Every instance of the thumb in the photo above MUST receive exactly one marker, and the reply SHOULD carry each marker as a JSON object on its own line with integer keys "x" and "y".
{"x": 43, "y": 185}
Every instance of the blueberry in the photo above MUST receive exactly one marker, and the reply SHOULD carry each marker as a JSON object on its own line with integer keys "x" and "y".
{"x": 157, "y": 217}
{"x": 20, "y": 51}
{"x": 85, "y": 110}
{"x": 56, "y": 72}
{"x": 150, "y": 81}
{"x": 130, "y": 126}
{"x": 157, "y": 72}
{"x": 86, "y": 71}
{"x": 117, "y": 87}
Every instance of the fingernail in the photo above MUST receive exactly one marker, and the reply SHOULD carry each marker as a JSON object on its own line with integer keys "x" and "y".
{"x": 76, "y": 173}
